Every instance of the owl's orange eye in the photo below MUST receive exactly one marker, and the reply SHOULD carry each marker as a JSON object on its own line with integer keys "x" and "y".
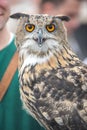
{"x": 29, "y": 27}
{"x": 50, "y": 28}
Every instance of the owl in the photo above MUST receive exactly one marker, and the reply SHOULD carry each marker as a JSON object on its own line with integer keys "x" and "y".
{"x": 53, "y": 81}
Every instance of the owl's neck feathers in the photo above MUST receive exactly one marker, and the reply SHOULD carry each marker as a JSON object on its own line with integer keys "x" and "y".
{"x": 63, "y": 58}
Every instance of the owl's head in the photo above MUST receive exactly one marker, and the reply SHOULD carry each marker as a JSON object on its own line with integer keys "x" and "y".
{"x": 40, "y": 34}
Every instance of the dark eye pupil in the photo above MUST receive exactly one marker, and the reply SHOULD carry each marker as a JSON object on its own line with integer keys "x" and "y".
{"x": 30, "y": 26}
{"x": 50, "y": 26}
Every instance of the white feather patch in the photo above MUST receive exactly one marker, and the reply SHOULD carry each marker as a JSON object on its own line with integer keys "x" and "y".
{"x": 33, "y": 59}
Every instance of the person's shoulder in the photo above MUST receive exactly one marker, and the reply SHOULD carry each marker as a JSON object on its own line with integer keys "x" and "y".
{"x": 12, "y": 39}
{"x": 11, "y": 45}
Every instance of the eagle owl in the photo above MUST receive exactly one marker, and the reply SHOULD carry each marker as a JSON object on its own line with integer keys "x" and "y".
{"x": 53, "y": 81}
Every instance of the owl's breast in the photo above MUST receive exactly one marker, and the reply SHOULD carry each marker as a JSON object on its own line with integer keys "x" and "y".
{"x": 33, "y": 69}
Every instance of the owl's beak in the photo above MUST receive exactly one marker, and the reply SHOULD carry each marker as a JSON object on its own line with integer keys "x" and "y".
{"x": 40, "y": 37}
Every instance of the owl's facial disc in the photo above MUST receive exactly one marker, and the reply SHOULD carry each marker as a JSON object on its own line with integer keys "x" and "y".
{"x": 40, "y": 39}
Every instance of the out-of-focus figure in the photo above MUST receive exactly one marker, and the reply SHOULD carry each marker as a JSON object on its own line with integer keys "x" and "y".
{"x": 66, "y": 7}
{"x": 81, "y": 32}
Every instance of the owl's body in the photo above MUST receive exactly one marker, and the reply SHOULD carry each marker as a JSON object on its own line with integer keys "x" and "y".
{"x": 53, "y": 81}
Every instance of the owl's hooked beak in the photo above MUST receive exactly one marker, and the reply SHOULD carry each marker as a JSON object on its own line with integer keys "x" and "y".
{"x": 40, "y": 37}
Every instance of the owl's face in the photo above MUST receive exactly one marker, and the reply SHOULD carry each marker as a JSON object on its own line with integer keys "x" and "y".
{"x": 40, "y": 34}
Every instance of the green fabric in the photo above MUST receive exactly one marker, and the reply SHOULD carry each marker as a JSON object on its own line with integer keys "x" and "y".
{"x": 12, "y": 115}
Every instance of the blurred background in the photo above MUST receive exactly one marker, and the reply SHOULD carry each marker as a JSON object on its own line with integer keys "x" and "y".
{"x": 75, "y": 9}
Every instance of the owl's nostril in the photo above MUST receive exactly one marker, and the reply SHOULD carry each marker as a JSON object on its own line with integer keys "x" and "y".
{"x": 36, "y": 39}
{"x": 44, "y": 39}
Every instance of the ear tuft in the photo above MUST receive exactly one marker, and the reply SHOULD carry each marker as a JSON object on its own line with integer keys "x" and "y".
{"x": 64, "y": 18}
{"x": 18, "y": 15}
